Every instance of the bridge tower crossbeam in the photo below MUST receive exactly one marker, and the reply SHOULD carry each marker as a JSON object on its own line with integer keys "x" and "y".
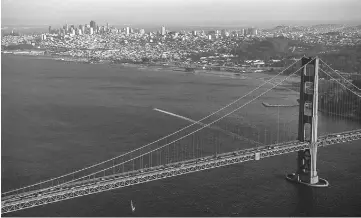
{"x": 306, "y": 173}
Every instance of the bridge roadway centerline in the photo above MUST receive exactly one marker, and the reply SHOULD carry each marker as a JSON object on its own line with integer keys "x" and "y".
{"x": 82, "y": 188}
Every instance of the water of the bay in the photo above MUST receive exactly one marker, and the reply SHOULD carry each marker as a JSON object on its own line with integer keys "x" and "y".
{"x": 58, "y": 117}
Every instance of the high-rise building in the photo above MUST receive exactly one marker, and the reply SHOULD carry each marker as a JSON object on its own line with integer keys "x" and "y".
{"x": 255, "y": 32}
{"x": 141, "y": 31}
{"x": 194, "y": 33}
{"x": 43, "y": 37}
{"x": 93, "y": 24}
{"x": 79, "y": 32}
{"x": 163, "y": 31}
{"x": 243, "y": 32}
{"x": 91, "y": 32}
{"x": 127, "y": 30}
{"x": 82, "y": 28}
{"x": 252, "y": 31}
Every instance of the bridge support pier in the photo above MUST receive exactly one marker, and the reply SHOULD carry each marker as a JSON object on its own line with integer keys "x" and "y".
{"x": 306, "y": 173}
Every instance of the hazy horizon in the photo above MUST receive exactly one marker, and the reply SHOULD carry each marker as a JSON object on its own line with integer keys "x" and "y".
{"x": 260, "y": 13}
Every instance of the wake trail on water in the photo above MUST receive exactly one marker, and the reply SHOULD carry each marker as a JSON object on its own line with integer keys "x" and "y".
{"x": 211, "y": 127}
{"x": 176, "y": 115}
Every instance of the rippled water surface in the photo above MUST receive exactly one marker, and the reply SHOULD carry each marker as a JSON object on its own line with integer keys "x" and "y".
{"x": 58, "y": 117}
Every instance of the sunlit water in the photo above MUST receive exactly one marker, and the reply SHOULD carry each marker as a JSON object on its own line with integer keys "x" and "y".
{"x": 58, "y": 117}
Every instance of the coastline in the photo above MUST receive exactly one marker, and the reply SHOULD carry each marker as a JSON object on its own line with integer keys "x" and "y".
{"x": 140, "y": 66}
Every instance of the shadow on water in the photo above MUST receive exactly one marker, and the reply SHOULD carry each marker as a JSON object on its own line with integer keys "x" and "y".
{"x": 306, "y": 201}
{"x": 306, "y": 198}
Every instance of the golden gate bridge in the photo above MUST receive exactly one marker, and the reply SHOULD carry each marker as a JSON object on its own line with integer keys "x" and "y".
{"x": 199, "y": 146}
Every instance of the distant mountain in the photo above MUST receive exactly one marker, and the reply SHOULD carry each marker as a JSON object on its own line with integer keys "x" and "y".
{"x": 328, "y": 26}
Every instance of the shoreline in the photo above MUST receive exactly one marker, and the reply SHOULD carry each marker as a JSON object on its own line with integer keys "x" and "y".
{"x": 141, "y": 66}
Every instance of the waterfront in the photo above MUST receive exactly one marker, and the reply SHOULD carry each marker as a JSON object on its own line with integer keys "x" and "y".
{"x": 58, "y": 117}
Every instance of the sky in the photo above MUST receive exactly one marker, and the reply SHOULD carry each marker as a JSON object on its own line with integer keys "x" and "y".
{"x": 180, "y": 12}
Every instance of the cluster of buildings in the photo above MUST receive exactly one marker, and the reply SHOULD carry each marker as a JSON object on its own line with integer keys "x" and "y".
{"x": 72, "y": 30}
{"x": 93, "y": 29}
{"x": 214, "y": 47}
{"x": 133, "y": 45}
{"x": 19, "y": 39}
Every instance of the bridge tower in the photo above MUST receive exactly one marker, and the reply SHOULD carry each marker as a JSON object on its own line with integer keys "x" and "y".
{"x": 307, "y": 126}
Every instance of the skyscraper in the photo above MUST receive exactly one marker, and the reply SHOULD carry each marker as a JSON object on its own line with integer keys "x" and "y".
{"x": 127, "y": 30}
{"x": 243, "y": 32}
{"x": 93, "y": 24}
{"x": 141, "y": 31}
{"x": 43, "y": 37}
{"x": 163, "y": 31}
{"x": 252, "y": 31}
{"x": 223, "y": 32}
{"x": 82, "y": 28}
{"x": 91, "y": 31}
{"x": 255, "y": 31}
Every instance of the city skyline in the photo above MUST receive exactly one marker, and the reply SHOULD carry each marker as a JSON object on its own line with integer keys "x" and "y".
{"x": 181, "y": 12}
